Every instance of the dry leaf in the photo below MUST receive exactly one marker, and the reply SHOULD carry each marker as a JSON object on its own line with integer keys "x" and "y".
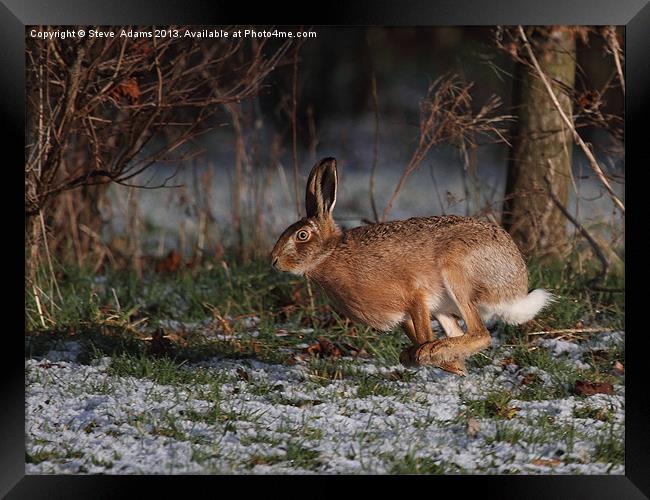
{"x": 507, "y": 361}
{"x": 47, "y": 365}
{"x": 178, "y": 338}
{"x": 599, "y": 354}
{"x": 546, "y": 462}
{"x": 169, "y": 264}
{"x": 243, "y": 374}
{"x": 127, "y": 88}
{"x": 473, "y": 427}
{"x": 160, "y": 345}
{"x": 619, "y": 367}
{"x": 219, "y": 252}
{"x": 509, "y": 412}
{"x": 313, "y": 349}
{"x": 296, "y": 295}
{"x": 529, "y": 378}
{"x": 309, "y": 402}
{"x": 602, "y": 414}
{"x": 351, "y": 350}
{"x": 256, "y": 347}
{"x": 324, "y": 349}
{"x": 584, "y": 388}
{"x": 141, "y": 47}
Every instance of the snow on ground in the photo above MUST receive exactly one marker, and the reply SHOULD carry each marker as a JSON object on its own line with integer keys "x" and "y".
{"x": 84, "y": 418}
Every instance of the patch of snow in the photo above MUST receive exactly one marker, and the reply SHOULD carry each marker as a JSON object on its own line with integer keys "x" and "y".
{"x": 68, "y": 351}
{"x": 559, "y": 347}
{"x": 85, "y": 419}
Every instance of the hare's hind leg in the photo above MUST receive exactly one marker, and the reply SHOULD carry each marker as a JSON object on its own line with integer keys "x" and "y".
{"x": 451, "y": 352}
{"x": 418, "y": 328}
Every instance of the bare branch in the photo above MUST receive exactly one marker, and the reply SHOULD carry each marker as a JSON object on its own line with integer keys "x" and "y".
{"x": 375, "y": 149}
{"x": 294, "y": 127}
{"x": 596, "y": 248}
{"x": 615, "y": 49}
{"x": 586, "y": 149}
{"x": 446, "y": 116}
{"x": 93, "y": 114}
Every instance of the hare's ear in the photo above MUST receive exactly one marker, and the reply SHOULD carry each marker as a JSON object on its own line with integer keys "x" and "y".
{"x": 321, "y": 189}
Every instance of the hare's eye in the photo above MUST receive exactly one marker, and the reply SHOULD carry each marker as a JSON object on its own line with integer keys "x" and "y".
{"x": 302, "y": 235}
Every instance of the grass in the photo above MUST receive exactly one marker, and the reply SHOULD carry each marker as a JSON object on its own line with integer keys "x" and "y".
{"x": 609, "y": 447}
{"x": 296, "y": 456}
{"x": 257, "y": 459}
{"x": 112, "y": 314}
{"x": 507, "y": 434}
{"x": 184, "y": 296}
{"x": 117, "y": 314}
{"x": 164, "y": 371}
{"x": 302, "y": 457}
{"x": 370, "y": 386}
{"x": 42, "y": 455}
{"x": 577, "y": 304}
{"x": 534, "y": 432}
{"x": 496, "y": 404}
{"x": 602, "y": 414}
{"x": 119, "y": 304}
{"x": 411, "y": 464}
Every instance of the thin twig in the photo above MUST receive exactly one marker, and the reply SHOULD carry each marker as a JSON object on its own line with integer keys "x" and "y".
{"x": 614, "y": 46}
{"x": 596, "y": 248}
{"x": 592, "y": 160}
{"x": 310, "y": 294}
{"x": 435, "y": 186}
{"x": 49, "y": 257}
{"x": 446, "y": 116}
{"x": 38, "y": 306}
{"x": 112, "y": 104}
{"x": 294, "y": 128}
{"x": 375, "y": 151}
{"x": 568, "y": 331}
{"x": 117, "y": 302}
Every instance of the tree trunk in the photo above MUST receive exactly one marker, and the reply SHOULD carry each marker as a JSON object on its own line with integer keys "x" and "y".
{"x": 529, "y": 214}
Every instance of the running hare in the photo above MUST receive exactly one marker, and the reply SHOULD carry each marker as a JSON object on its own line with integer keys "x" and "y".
{"x": 401, "y": 272}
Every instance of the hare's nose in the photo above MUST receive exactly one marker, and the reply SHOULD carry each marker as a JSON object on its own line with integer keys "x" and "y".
{"x": 274, "y": 263}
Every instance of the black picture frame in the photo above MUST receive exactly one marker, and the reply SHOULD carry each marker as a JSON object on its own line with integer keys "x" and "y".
{"x": 15, "y": 15}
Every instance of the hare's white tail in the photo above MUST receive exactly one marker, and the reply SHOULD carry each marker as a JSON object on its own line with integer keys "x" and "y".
{"x": 524, "y": 309}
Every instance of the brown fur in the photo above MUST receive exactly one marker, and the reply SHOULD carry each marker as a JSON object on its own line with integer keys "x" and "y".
{"x": 400, "y": 272}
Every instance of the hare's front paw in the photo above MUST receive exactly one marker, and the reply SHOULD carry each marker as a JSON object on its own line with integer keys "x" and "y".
{"x": 456, "y": 366}
{"x": 434, "y": 353}
{"x": 442, "y": 354}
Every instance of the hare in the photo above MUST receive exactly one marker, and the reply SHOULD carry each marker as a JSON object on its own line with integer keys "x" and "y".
{"x": 402, "y": 272}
